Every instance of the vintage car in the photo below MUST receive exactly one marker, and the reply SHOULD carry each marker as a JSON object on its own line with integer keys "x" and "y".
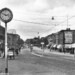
{"x": 11, "y": 54}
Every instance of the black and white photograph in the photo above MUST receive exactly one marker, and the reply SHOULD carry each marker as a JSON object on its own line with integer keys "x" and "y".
{"x": 37, "y": 37}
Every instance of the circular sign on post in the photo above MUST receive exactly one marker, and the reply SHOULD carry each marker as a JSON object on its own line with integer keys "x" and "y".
{"x": 42, "y": 43}
{"x": 6, "y": 15}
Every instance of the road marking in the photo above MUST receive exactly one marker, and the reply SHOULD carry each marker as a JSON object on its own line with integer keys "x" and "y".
{"x": 50, "y": 57}
{"x": 37, "y": 54}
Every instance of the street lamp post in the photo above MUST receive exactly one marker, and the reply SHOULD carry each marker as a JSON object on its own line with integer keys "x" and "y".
{"x": 6, "y": 59}
{"x": 6, "y": 16}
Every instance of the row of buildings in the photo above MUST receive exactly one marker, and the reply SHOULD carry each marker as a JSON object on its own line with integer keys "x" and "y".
{"x": 13, "y": 40}
{"x": 63, "y": 40}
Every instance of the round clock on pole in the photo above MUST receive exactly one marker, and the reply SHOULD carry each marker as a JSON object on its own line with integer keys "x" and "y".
{"x": 6, "y": 15}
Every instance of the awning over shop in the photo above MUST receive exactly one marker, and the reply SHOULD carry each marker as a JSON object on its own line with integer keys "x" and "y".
{"x": 68, "y": 45}
{"x": 54, "y": 45}
{"x": 73, "y": 45}
{"x": 59, "y": 46}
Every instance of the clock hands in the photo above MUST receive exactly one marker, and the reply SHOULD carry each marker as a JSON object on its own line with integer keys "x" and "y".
{"x": 5, "y": 14}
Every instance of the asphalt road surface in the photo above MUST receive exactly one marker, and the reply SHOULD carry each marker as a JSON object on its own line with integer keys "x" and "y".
{"x": 27, "y": 63}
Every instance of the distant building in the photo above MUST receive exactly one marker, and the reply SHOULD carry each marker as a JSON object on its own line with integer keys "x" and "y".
{"x": 51, "y": 38}
{"x": 2, "y": 38}
{"x": 64, "y": 38}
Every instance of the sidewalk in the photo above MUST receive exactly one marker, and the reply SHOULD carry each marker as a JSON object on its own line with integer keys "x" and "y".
{"x": 54, "y": 52}
{"x": 59, "y": 53}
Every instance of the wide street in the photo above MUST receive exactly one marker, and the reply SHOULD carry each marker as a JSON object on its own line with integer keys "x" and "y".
{"x": 27, "y": 63}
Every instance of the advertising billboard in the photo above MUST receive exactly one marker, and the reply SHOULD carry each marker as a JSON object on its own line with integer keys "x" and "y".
{"x": 68, "y": 37}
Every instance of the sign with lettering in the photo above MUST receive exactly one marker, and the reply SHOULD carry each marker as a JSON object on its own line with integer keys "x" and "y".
{"x": 42, "y": 42}
{"x": 68, "y": 37}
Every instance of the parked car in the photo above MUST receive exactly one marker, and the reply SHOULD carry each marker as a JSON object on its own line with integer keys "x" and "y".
{"x": 11, "y": 54}
{"x": 60, "y": 47}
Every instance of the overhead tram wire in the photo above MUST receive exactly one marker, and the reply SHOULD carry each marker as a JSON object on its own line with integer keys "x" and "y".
{"x": 35, "y": 22}
{"x": 57, "y": 24}
{"x": 36, "y": 14}
{"x": 31, "y": 22}
{"x": 42, "y": 23}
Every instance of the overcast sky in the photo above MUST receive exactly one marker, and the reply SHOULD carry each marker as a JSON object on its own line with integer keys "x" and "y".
{"x": 33, "y": 16}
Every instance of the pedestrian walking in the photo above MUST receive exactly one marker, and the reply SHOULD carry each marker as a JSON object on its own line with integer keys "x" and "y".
{"x": 31, "y": 48}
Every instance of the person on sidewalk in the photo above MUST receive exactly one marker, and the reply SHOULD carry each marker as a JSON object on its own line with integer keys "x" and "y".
{"x": 31, "y": 48}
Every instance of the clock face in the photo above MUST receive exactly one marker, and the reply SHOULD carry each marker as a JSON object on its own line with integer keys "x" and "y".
{"x": 6, "y": 15}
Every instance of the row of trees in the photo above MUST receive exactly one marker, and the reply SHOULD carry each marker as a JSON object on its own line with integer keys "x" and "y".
{"x": 36, "y": 41}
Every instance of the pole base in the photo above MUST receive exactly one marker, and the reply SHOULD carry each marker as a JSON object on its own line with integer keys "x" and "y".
{"x": 6, "y": 70}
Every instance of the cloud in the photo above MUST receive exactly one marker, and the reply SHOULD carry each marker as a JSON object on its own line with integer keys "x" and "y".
{"x": 37, "y": 6}
{"x": 18, "y": 2}
{"x": 39, "y": 11}
{"x": 58, "y": 3}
